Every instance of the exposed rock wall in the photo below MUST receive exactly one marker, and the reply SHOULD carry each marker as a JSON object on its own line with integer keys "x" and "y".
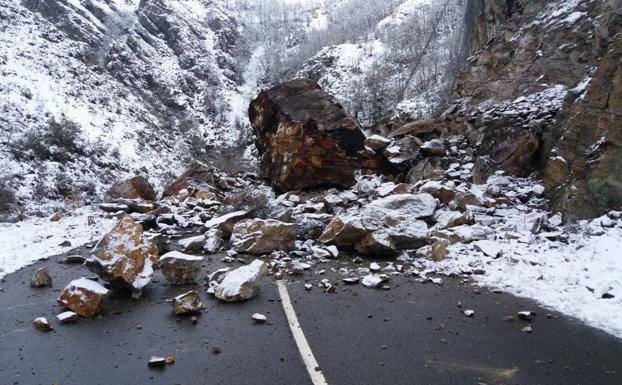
{"x": 542, "y": 93}
{"x": 584, "y": 168}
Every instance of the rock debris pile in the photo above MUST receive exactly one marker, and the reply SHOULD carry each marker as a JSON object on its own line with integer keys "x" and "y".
{"x": 433, "y": 199}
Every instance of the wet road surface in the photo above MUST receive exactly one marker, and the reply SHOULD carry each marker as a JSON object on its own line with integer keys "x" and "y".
{"x": 412, "y": 334}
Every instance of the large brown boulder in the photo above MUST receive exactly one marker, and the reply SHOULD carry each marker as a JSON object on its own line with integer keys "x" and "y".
{"x": 137, "y": 187}
{"x": 124, "y": 258}
{"x": 305, "y": 138}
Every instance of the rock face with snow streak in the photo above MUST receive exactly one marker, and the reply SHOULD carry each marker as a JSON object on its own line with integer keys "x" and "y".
{"x": 586, "y": 180}
{"x": 123, "y": 257}
{"x": 179, "y": 268}
{"x": 305, "y": 138}
{"x": 258, "y": 236}
{"x": 242, "y": 283}
{"x": 563, "y": 123}
{"x": 384, "y": 226}
{"x": 83, "y": 296}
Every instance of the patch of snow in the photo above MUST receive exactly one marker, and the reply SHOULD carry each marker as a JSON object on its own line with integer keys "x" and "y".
{"x": 570, "y": 278}
{"x": 180, "y": 255}
{"x": 27, "y": 241}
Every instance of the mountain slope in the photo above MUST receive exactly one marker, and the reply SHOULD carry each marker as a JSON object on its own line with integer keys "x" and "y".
{"x": 402, "y": 68}
{"x": 93, "y": 89}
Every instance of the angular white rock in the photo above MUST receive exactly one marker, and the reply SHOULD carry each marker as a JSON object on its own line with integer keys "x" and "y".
{"x": 372, "y": 281}
{"x": 67, "y": 317}
{"x": 192, "y": 244}
{"x": 242, "y": 283}
{"x": 213, "y": 241}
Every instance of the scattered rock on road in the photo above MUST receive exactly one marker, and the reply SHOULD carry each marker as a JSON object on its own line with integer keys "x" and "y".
{"x": 242, "y": 283}
{"x": 41, "y": 278}
{"x": 225, "y": 223}
{"x": 258, "y": 236}
{"x": 124, "y": 258}
{"x": 383, "y": 227}
{"x": 67, "y": 317}
{"x": 83, "y": 296}
{"x": 179, "y": 268}
{"x": 187, "y": 303}
{"x": 259, "y": 318}
{"x": 525, "y": 315}
{"x": 156, "y": 362}
{"x": 42, "y": 324}
{"x": 374, "y": 281}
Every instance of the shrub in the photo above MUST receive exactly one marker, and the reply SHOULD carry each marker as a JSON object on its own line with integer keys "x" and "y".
{"x": 8, "y": 200}
{"x": 58, "y": 141}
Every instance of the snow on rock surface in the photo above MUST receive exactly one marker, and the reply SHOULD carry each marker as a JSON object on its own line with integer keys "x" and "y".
{"x": 179, "y": 268}
{"x": 242, "y": 283}
{"x": 83, "y": 296}
{"x": 124, "y": 257}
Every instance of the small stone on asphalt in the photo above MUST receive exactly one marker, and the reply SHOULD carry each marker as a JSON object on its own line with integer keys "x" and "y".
{"x": 42, "y": 324}
{"x": 156, "y": 362}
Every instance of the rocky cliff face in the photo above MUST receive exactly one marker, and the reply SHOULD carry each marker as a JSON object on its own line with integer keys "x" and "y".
{"x": 542, "y": 93}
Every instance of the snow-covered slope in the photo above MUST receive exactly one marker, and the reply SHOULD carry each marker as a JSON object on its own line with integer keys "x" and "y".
{"x": 91, "y": 90}
{"x": 403, "y": 68}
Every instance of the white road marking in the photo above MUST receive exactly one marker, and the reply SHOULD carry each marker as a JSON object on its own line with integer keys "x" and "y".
{"x": 301, "y": 341}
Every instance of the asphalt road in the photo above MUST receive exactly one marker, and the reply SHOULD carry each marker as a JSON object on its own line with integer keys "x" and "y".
{"x": 411, "y": 334}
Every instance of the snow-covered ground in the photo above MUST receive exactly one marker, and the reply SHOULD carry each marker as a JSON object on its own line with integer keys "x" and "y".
{"x": 580, "y": 277}
{"x": 33, "y": 239}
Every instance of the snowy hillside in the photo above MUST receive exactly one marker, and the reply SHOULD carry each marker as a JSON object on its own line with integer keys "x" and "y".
{"x": 403, "y": 68}
{"x": 95, "y": 90}
{"x": 91, "y": 90}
